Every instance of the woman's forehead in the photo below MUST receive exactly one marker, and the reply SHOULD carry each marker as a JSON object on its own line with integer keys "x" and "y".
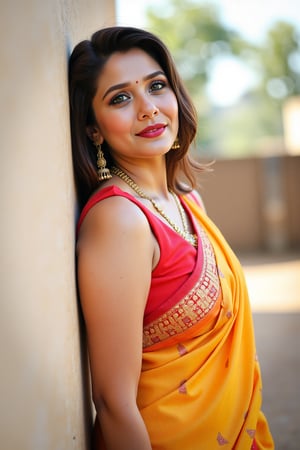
{"x": 131, "y": 66}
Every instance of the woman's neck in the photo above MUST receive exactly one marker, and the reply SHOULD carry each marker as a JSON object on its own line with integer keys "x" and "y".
{"x": 151, "y": 178}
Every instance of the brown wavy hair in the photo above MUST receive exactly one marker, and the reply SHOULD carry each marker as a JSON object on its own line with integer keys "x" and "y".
{"x": 86, "y": 62}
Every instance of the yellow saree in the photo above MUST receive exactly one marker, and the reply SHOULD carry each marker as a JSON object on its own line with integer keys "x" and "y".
{"x": 204, "y": 392}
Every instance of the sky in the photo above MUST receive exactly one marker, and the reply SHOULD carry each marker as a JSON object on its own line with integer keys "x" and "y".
{"x": 251, "y": 18}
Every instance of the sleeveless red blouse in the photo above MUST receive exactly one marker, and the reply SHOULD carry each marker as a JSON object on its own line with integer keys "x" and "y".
{"x": 179, "y": 265}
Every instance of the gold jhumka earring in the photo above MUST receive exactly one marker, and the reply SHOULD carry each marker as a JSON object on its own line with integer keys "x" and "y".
{"x": 103, "y": 171}
{"x": 176, "y": 145}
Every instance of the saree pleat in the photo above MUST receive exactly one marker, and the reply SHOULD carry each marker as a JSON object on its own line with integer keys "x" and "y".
{"x": 204, "y": 391}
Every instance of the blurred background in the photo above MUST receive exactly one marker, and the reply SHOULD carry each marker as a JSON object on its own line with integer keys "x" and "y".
{"x": 241, "y": 64}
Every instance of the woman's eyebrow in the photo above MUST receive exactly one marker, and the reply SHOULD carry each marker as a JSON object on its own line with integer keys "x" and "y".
{"x": 116, "y": 87}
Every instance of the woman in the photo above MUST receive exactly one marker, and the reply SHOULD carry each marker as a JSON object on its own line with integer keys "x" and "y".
{"x": 169, "y": 326}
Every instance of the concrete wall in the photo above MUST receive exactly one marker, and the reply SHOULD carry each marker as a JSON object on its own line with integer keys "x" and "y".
{"x": 255, "y": 202}
{"x": 45, "y": 403}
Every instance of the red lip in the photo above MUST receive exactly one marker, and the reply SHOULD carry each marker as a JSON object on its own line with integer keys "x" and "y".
{"x": 152, "y": 130}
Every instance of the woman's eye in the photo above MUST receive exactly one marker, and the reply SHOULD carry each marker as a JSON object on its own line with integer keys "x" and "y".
{"x": 157, "y": 85}
{"x": 120, "y": 98}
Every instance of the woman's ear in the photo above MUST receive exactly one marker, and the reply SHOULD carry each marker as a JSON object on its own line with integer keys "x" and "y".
{"x": 94, "y": 134}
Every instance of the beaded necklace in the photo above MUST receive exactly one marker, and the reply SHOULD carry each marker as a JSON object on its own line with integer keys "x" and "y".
{"x": 191, "y": 238}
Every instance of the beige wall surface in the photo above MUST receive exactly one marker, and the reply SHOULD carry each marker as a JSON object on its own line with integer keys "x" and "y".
{"x": 43, "y": 388}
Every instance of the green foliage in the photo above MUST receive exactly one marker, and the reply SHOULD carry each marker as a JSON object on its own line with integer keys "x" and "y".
{"x": 280, "y": 61}
{"x": 196, "y": 37}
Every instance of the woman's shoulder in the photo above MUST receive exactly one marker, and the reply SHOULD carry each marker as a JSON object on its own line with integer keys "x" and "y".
{"x": 101, "y": 194}
{"x": 109, "y": 209}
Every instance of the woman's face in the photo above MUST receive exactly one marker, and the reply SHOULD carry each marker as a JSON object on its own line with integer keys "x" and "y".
{"x": 135, "y": 108}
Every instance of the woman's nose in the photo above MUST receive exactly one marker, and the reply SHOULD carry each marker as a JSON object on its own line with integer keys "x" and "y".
{"x": 147, "y": 110}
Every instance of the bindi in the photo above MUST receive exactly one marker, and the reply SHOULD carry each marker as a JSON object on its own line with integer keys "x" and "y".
{"x": 137, "y": 82}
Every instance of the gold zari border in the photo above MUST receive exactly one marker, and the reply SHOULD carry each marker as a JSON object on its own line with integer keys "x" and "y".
{"x": 193, "y": 307}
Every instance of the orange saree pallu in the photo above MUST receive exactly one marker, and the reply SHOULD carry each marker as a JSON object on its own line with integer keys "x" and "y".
{"x": 200, "y": 386}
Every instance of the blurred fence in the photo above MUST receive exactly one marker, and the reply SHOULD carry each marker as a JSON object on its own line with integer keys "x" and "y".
{"x": 255, "y": 201}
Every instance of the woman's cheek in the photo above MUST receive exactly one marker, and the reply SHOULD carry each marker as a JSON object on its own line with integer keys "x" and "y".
{"x": 114, "y": 123}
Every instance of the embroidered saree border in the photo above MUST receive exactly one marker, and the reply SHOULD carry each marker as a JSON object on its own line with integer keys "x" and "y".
{"x": 193, "y": 307}
{"x": 202, "y": 390}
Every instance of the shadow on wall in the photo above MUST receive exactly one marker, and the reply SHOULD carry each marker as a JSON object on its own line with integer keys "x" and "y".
{"x": 86, "y": 383}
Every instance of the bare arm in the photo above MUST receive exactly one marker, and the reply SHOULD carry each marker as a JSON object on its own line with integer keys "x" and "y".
{"x": 115, "y": 252}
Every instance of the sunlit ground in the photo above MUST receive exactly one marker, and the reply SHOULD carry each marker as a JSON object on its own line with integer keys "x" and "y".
{"x": 274, "y": 288}
{"x": 273, "y": 282}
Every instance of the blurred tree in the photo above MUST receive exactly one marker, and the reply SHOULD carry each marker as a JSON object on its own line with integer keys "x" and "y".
{"x": 280, "y": 61}
{"x": 197, "y": 38}
{"x": 277, "y": 60}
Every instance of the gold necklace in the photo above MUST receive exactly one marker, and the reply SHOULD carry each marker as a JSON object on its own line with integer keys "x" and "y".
{"x": 191, "y": 238}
